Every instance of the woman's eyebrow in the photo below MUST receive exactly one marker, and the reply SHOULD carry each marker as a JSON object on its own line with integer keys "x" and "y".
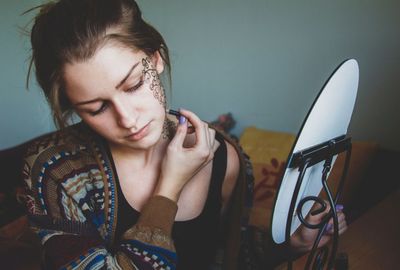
{"x": 87, "y": 102}
{"x": 127, "y": 75}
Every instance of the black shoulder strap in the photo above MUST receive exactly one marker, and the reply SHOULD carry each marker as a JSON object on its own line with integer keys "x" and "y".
{"x": 219, "y": 169}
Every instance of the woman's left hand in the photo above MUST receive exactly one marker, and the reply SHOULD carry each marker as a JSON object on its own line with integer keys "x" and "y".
{"x": 303, "y": 239}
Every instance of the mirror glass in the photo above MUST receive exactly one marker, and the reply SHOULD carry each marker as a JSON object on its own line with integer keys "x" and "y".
{"x": 328, "y": 118}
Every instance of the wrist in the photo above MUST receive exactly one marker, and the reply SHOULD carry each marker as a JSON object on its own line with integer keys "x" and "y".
{"x": 168, "y": 191}
{"x": 173, "y": 196}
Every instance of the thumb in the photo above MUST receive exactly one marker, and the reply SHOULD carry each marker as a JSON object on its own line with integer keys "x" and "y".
{"x": 318, "y": 212}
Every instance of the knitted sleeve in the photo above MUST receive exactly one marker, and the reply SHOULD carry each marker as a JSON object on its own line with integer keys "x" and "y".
{"x": 68, "y": 218}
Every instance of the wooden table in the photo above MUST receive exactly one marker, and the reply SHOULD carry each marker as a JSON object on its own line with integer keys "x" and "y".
{"x": 372, "y": 242}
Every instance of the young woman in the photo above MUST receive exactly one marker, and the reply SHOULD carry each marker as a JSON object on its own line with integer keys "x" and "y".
{"x": 113, "y": 189}
{"x": 129, "y": 187}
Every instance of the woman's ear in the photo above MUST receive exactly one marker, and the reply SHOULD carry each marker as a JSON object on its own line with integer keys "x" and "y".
{"x": 158, "y": 62}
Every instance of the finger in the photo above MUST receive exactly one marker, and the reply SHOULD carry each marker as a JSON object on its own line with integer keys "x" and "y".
{"x": 324, "y": 240}
{"x": 198, "y": 126}
{"x": 317, "y": 215}
{"x": 318, "y": 210}
{"x": 342, "y": 229}
{"x": 327, "y": 209}
{"x": 342, "y": 222}
{"x": 180, "y": 134}
{"x": 192, "y": 118}
{"x": 215, "y": 146}
{"x": 339, "y": 207}
{"x": 212, "y": 139}
{"x": 341, "y": 217}
{"x": 207, "y": 134}
{"x": 342, "y": 226}
{"x": 328, "y": 228}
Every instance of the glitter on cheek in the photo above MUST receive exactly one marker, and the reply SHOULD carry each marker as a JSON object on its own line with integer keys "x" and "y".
{"x": 151, "y": 77}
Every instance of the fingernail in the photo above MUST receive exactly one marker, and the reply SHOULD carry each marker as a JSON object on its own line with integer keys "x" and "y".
{"x": 328, "y": 228}
{"x": 182, "y": 120}
{"x": 339, "y": 207}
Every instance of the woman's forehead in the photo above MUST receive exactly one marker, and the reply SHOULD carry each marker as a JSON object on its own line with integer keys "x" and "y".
{"x": 108, "y": 61}
{"x": 105, "y": 69}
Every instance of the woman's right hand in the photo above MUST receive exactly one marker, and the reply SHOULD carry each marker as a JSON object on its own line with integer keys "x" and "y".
{"x": 180, "y": 164}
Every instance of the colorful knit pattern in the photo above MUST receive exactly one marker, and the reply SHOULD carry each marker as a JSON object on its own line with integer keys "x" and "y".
{"x": 71, "y": 204}
{"x": 157, "y": 257}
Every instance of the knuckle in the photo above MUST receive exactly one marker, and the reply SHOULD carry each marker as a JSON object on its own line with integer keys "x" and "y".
{"x": 204, "y": 153}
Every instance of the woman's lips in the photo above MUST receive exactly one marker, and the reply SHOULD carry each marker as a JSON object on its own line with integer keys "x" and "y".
{"x": 140, "y": 134}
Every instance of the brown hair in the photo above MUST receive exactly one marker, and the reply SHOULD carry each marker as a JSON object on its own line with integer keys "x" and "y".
{"x": 72, "y": 30}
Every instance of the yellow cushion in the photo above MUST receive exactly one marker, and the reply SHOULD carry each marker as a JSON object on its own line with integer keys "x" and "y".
{"x": 268, "y": 151}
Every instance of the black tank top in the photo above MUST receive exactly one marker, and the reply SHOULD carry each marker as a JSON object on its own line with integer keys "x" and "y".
{"x": 195, "y": 240}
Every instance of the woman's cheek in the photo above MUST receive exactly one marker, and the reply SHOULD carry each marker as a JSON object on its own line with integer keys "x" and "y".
{"x": 152, "y": 80}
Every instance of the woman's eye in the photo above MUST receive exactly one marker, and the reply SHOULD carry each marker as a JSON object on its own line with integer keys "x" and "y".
{"x": 99, "y": 111}
{"x": 135, "y": 87}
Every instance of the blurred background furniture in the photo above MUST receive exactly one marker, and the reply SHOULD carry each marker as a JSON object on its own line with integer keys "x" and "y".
{"x": 371, "y": 179}
{"x": 19, "y": 247}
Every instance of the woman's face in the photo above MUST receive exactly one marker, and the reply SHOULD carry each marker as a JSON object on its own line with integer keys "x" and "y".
{"x": 118, "y": 94}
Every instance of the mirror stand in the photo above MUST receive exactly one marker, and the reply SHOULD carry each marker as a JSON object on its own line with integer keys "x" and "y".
{"x": 303, "y": 160}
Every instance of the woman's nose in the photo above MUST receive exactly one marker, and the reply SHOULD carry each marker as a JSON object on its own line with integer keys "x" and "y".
{"x": 125, "y": 114}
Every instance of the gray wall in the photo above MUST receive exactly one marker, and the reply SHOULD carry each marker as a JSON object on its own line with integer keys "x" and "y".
{"x": 264, "y": 61}
{"x": 23, "y": 114}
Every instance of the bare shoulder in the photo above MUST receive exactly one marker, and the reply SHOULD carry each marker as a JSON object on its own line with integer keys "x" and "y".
{"x": 231, "y": 175}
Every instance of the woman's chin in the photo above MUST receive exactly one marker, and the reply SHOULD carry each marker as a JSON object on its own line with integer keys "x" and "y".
{"x": 144, "y": 143}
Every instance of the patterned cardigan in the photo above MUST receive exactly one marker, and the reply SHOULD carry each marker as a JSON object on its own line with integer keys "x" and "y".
{"x": 71, "y": 203}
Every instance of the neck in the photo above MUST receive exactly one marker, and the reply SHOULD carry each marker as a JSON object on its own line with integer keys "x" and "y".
{"x": 139, "y": 158}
